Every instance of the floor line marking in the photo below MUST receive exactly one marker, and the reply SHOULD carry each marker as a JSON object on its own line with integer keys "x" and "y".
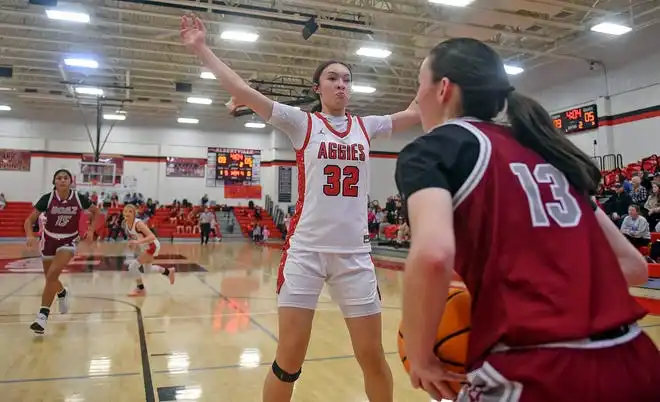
{"x": 18, "y": 289}
{"x": 80, "y": 377}
{"x": 262, "y": 364}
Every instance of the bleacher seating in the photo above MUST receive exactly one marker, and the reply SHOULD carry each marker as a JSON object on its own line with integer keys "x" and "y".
{"x": 243, "y": 216}
{"x": 12, "y": 218}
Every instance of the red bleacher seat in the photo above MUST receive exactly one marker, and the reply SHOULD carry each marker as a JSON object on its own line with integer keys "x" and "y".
{"x": 245, "y": 216}
{"x": 12, "y": 218}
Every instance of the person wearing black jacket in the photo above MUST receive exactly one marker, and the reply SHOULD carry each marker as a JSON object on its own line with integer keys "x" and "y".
{"x": 617, "y": 205}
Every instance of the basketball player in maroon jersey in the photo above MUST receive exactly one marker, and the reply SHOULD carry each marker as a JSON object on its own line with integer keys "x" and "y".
{"x": 63, "y": 208}
{"x": 508, "y": 208}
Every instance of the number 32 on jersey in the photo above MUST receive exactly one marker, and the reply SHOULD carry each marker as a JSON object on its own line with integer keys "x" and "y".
{"x": 564, "y": 209}
{"x": 341, "y": 181}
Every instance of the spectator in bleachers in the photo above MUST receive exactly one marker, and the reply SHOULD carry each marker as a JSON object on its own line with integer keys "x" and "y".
{"x": 287, "y": 222}
{"x": 636, "y": 228}
{"x": 256, "y": 233}
{"x": 638, "y": 193}
{"x": 403, "y": 234}
{"x": 205, "y": 199}
{"x": 114, "y": 200}
{"x": 627, "y": 186}
{"x": 652, "y": 205}
{"x": 617, "y": 205}
{"x": 3, "y": 201}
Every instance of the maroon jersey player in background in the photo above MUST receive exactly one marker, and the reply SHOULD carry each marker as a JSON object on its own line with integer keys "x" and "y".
{"x": 508, "y": 208}
{"x": 63, "y": 208}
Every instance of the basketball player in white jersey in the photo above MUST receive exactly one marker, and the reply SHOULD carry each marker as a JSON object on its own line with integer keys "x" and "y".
{"x": 141, "y": 237}
{"x": 328, "y": 240}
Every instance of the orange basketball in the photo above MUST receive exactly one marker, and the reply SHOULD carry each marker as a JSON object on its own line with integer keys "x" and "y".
{"x": 451, "y": 340}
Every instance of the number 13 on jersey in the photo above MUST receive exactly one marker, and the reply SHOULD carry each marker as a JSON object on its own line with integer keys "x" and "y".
{"x": 341, "y": 181}
{"x": 564, "y": 209}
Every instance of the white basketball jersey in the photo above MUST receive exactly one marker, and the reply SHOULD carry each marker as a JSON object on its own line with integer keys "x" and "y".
{"x": 333, "y": 182}
{"x": 133, "y": 234}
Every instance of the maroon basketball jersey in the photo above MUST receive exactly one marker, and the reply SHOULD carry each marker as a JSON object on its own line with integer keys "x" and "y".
{"x": 62, "y": 215}
{"x": 531, "y": 252}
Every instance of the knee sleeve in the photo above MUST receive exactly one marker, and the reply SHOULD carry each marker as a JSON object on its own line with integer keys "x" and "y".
{"x": 283, "y": 375}
{"x": 134, "y": 269}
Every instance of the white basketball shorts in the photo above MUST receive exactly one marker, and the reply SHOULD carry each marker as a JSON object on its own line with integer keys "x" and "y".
{"x": 351, "y": 280}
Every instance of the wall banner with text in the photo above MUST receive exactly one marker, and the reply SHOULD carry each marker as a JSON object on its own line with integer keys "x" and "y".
{"x": 15, "y": 159}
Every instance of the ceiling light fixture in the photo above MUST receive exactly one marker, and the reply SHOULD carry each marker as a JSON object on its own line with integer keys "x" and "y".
{"x": 89, "y": 91}
{"x": 239, "y": 36}
{"x": 513, "y": 70}
{"x": 207, "y": 75}
{"x": 199, "y": 101}
{"x": 611, "y": 29}
{"x": 5, "y": 108}
{"x": 71, "y": 16}
{"x": 363, "y": 89}
{"x": 88, "y": 63}
{"x": 187, "y": 120}
{"x": 455, "y": 3}
{"x": 373, "y": 52}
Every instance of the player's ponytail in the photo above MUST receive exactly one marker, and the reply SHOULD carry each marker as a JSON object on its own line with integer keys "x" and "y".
{"x": 532, "y": 127}
{"x": 485, "y": 91}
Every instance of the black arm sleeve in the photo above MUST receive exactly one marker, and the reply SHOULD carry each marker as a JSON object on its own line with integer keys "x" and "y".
{"x": 42, "y": 204}
{"x": 85, "y": 202}
{"x": 443, "y": 158}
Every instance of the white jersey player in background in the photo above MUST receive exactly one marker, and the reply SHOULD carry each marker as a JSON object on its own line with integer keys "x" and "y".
{"x": 328, "y": 240}
{"x": 147, "y": 245}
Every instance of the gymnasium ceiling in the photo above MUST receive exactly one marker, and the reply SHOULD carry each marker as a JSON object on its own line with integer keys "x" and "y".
{"x": 136, "y": 43}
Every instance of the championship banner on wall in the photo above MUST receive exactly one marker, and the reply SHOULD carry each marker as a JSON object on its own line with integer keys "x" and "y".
{"x": 14, "y": 159}
{"x": 243, "y": 191}
{"x": 233, "y": 166}
{"x": 184, "y": 167}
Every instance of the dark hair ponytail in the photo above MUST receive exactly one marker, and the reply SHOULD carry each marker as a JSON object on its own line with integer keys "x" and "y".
{"x": 479, "y": 71}
{"x": 532, "y": 127}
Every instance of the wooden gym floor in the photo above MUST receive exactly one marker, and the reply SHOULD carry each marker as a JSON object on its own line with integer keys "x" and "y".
{"x": 210, "y": 337}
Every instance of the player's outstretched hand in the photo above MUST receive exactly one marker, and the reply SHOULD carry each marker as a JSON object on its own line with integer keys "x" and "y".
{"x": 193, "y": 32}
{"x": 433, "y": 379}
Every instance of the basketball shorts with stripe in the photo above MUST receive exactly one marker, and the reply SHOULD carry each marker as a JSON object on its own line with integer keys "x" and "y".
{"x": 351, "y": 280}
{"x": 626, "y": 372}
{"x": 50, "y": 245}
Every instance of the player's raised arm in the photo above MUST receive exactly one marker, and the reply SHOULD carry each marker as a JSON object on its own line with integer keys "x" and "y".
{"x": 193, "y": 35}
{"x": 405, "y": 119}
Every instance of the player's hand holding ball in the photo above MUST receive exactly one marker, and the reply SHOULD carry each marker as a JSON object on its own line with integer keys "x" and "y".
{"x": 434, "y": 379}
{"x": 132, "y": 243}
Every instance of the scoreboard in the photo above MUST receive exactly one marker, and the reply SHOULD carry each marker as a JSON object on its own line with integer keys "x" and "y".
{"x": 232, "y": 166}
{"x": 577, "y": 119}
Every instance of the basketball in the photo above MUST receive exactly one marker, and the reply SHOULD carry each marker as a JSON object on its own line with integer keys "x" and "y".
{"x": 451, "y": 340}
